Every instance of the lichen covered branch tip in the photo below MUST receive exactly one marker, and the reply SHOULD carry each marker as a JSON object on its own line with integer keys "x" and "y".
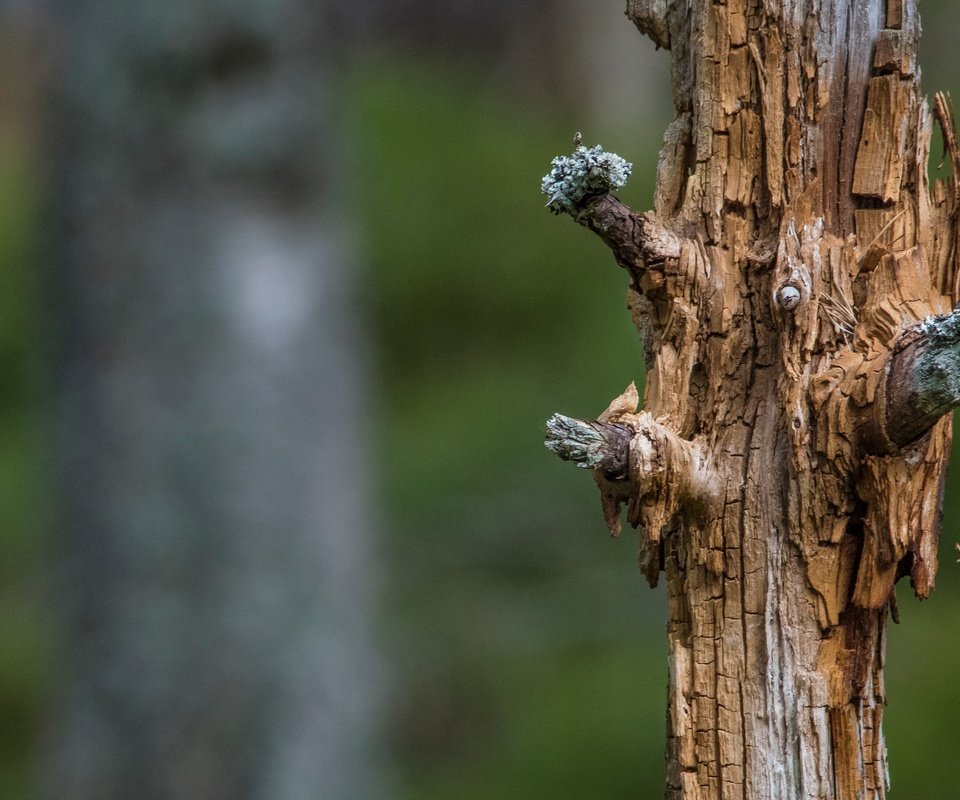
{"x": 589, "y": 445}
{"x": 588, "y": 171}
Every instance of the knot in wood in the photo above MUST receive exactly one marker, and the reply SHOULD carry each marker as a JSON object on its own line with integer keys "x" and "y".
{"x": 788, "y": 297}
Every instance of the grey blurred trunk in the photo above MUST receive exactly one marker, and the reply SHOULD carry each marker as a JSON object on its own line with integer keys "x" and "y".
{"x": 218, "y": 588}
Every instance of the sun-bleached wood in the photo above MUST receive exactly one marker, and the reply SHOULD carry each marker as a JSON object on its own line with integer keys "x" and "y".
{"x": 794, "y": 284}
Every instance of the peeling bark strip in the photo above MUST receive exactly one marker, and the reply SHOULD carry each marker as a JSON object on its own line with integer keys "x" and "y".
{"x": 794, "y": 285}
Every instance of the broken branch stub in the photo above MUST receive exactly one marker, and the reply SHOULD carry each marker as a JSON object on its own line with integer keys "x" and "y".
{"x": 923, "y": 382}
{"x": 580, "y": 185}
{"x": 590, "y": 445}
{"x": 637, "y": 460}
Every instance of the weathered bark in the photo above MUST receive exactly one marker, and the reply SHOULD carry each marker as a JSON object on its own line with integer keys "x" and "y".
{"x": 785, "y": 284}
{"x": 218, "y": 573}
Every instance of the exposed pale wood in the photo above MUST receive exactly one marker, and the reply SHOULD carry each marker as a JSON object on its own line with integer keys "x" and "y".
{"x": 794, "y": 392}
{"x": 895, "y": 52}
{"x": 879, "y": 165}
{"x": 894, "y": 14}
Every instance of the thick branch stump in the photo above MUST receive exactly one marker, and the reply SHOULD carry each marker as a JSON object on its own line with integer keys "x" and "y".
{"x": 794, "y": 284}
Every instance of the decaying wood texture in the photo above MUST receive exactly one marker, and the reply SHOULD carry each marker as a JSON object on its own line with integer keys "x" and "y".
{"x": 794, "y": 285}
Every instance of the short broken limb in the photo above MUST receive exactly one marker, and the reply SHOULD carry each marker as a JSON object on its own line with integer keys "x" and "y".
{"x": 923, "y": 381}
{"x": 581, "y": 184}
{"x": 637, "y": 458}
{"x": 638, "y": 241}
{"x": 591, "y": 445}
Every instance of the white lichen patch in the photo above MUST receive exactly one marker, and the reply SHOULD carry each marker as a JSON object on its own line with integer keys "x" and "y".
{"x": 942, "y": 329}
{"x": 587, "y": 171}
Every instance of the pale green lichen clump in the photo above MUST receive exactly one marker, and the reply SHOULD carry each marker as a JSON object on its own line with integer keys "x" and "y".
{"x": 586, "y": 172}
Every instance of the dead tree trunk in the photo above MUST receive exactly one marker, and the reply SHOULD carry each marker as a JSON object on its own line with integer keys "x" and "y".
{"x": 794, "y": 284}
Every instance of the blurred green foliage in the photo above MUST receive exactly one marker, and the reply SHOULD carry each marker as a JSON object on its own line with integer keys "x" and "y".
{"x": 532, "y": 655}
{"x": 25, "y": 632}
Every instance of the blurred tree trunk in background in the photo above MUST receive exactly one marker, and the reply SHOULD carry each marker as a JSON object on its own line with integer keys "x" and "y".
{"x": 219, "y": 585}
